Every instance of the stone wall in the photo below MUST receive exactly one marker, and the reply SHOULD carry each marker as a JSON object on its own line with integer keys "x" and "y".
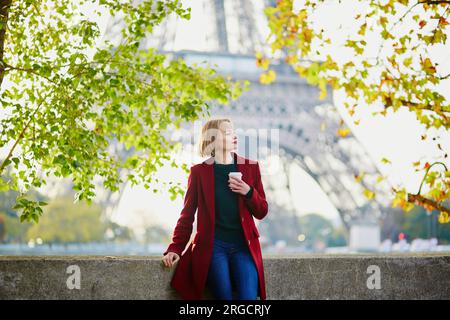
{"x": 328, "y": 276}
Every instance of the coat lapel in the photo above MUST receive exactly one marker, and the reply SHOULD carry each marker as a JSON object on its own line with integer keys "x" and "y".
{"x": 208, "y": 187}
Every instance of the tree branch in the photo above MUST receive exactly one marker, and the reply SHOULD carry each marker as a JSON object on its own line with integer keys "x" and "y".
{"x": 419, "y": 199}
{"x": 22, "y": 133}
{"x": 9, "y": 67}
{"x": 434, "y": 2}
{"x": 412, "y": 105}
{"x": 4, "y": 11}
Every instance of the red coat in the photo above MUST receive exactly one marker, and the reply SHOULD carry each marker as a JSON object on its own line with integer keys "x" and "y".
{"x": 189, "y": 278}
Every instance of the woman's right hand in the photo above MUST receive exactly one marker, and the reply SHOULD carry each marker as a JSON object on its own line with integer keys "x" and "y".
{"x": 170, "y": 258}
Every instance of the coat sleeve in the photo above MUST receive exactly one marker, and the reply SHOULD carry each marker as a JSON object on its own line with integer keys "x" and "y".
{"x": 183, "y": 228}
{"x": 256, "y": 203}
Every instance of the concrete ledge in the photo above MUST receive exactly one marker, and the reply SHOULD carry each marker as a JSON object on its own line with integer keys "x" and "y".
{"x": 401, "y": 276}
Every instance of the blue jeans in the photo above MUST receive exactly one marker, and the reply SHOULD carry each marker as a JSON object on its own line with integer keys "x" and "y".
{"x": 232, "y": 264}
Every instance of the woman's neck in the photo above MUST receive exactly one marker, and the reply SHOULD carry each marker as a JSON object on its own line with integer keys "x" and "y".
{"x": 223, "y": 158}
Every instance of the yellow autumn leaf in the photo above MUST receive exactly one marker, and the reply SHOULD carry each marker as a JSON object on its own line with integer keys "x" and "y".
{"x": 307, "y": 34}
{"x": 369, "y": 194}
{"x": 400, "y": 200}
{"x": 383, "y": 20}
{"x": 379, "y": 179}
{"x": 362, "y": 29}
{"x": 428, "y": 66}
{"x": 291, "y": 59}
{"x": 267, "y": 77}
{"x": 407, "y": 62}
{"x": 408, "y": 206}
{"x": 343, "y": 132}
{"x": 258, "y": 54}
{"x": 302, "y": 14}
{"x": 358, "y": 177}
{"x": 301, "y": 70}
{"x": 443, "y": 22}
{"x": 262, "y": 63}
{"x": 443, "y": 217}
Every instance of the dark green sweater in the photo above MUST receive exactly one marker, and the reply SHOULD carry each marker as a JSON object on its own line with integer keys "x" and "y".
{"x": 228, "y": 224}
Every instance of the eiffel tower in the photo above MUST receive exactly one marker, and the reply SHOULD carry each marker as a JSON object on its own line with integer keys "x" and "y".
{"x": 234, "y": 31}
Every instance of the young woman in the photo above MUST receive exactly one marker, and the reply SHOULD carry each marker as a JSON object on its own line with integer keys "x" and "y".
{"x": 225, "y": 254}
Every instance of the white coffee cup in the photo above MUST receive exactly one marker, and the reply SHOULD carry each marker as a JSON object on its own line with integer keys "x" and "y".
{"x": 236, "y": 175}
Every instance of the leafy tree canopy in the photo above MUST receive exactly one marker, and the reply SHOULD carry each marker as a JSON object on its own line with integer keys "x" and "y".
{"x": 67, "y": 96}
{"x": 401, "y": 73}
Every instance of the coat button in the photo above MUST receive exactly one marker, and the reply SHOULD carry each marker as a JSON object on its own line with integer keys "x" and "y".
{"x": 242, "y": 218}
{"x": 249, "y": 241}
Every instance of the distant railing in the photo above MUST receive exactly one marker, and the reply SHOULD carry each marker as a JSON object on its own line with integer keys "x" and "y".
{"x": 131, "y": 248}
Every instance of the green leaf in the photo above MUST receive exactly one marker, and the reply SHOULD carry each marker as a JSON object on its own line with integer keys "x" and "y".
{"x": 17, "y": 206}
{"x": 35, "y": 217}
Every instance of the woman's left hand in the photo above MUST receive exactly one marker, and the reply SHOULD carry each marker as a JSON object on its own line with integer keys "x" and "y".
{"x": 238, "y": 185}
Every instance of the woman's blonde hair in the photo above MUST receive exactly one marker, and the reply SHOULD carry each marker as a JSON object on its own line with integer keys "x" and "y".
{"x": 208, "y": 136}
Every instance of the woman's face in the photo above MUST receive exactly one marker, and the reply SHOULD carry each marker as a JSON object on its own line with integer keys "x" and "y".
{"x": 226, "y": 138}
